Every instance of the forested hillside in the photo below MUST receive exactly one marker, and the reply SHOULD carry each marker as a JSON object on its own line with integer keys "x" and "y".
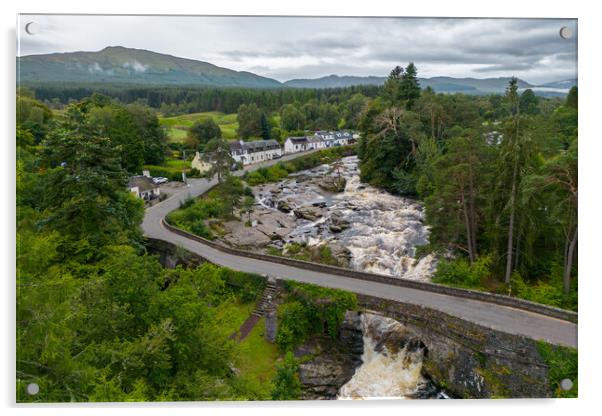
{"x": 498, "y": 176}
{"x": 99, "y": 319}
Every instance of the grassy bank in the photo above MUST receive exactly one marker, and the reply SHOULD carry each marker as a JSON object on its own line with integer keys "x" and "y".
{"x": 177, "y": 126}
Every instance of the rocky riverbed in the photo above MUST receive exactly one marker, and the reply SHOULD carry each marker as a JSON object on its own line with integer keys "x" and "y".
{"x": 365, "y": 228}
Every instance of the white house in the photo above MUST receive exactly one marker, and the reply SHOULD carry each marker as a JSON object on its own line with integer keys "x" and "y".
{"x": 296, "y": 144}
{"x": 198, "y": 163}
{"x": 334, "y": 138}
{"x": 316, "y": 142}
{"x": 257, "y": 151}
{"x": 143, "y": 187}
{"x": 326, "y": 135}
{"x": 342, "y": 137}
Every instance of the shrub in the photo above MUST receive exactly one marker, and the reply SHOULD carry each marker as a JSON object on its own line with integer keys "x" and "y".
{"x": 311, "y": 310}
{"x": 460, "y": 272}
{"x": 562, "y": 363}
{"x": 199, "y": 228}
{"x": 286, "y": 381}
{"x": 293, "y": 325}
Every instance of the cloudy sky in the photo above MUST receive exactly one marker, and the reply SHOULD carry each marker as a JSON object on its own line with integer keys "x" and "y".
{"x": 296, "y": 47}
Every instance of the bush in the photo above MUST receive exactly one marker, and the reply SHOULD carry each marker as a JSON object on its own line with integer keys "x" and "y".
{"x": 199, "y": 228}
{"x": 547, "y": 292}
{"x": 293, "y": 325}
{"x": 286, "y": 382}
{"x": 460, "y": 272}
{"x": 562, "y": 363}
{"x": 247, "y": 285}
{"x": 311, "y": 310}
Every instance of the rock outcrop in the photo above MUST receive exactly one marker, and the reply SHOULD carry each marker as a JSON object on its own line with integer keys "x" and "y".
{"x": 327, "y": 364}
{"x": 333, "y": 183}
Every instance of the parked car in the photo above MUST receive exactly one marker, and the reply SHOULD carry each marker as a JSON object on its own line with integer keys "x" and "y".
{"x": 159, "y": 180}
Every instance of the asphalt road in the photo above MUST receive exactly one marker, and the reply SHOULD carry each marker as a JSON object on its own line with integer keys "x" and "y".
{"x": 502, "y": 318}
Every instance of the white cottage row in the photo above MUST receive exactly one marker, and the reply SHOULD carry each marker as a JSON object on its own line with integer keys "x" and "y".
{"x": 248, "y": 153}
{"x": 320, "y": 140}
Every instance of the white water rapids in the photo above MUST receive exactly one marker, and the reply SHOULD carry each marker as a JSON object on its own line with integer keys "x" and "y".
{"x": 384, "y": 229}
{"x": 391, "y": 364}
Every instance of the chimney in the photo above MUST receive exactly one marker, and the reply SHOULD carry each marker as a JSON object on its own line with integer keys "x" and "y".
{"x": 146, "y": 173}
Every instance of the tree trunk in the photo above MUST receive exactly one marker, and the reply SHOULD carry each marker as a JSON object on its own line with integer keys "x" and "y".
{"x": 569, "y": 263}
{"x": 512, "y": 205}
{"x": 472, "y": 213}
{"x": 468, "y": 230}
{"x": 511, "y": 226}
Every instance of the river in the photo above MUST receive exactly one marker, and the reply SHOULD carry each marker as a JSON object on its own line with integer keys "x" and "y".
{"x": 380, "y": 231}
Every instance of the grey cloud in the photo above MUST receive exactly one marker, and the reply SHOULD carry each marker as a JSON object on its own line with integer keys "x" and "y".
{"x": 297, "y": 47}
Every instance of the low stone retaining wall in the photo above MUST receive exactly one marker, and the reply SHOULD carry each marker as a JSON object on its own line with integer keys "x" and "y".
{"x": 354, "y": 274}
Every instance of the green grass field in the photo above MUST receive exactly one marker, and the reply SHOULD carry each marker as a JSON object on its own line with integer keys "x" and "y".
{"x": 256, "y": 358}
{"x": 177, "y": 126}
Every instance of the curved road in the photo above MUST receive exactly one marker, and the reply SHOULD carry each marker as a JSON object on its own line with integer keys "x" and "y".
{"x": 502, "y": 318}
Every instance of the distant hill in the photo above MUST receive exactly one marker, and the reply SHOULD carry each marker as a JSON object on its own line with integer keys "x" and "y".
{"x": 439, "y": 84}
{"x": 117, "y": 64}
{"x": 135, "y": 66}
{"x": 334, "y": 81}
{"x": 564, "y": 84}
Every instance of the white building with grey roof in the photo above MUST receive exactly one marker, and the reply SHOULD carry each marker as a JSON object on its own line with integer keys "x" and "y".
{"x": 257, "y": 151}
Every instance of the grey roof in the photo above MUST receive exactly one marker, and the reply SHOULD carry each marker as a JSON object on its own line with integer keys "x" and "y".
{"x": 142, "y": 182}
{"x": 235, "y": 147}
{"x": 298, "y": 140}
{"x": 260, "y": 145}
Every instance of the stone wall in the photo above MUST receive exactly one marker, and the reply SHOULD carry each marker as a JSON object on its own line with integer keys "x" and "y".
{"x": 468, "y": 360}
{"x": 171, "y": 255}
{"x": 354, "y": 274}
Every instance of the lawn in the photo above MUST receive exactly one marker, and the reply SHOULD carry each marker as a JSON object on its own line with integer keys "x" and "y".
{"x": 256, "y": 358}
{"x": 177, "y": 126}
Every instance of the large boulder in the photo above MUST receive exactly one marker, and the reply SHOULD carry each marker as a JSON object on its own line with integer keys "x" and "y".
{"x": 309, "y": 212}
{"x": 284, "y": 205}
{"x": 332, "y": 183}
{"x": 338, "y": 223}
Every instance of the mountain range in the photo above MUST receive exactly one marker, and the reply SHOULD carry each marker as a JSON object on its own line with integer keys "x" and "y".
{"x": 117, "y": 64}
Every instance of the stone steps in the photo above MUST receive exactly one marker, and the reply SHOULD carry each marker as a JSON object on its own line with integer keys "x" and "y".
{"x": 265, "y": 302}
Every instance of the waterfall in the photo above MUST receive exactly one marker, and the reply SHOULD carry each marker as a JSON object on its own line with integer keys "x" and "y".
{"x": 391, "y": 363}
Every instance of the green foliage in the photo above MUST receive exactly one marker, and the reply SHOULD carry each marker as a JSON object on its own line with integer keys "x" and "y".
{"x": 218, "y": 154}
{"x": 249, "y": 121}
{"x": 563, "y": 364}
{"x": 310, "y": 310}
{"x": 572, "y": 98}
{"x": 387, "y": 156}
{"x": 286, "y": 382}
{"x": 402, "y": 86}
{"x": 193, "y": 213}
{"x": 462, "y": 273}
{"x": 85, "y": 193}
{"x": 291, "y": 118}
{"x": 202, "y": 131}
{"x": 528, "y": 102}
{"x": 293, "y": 325}
{"x": 497, "y": 174}
{"x": 230, "y": 192}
